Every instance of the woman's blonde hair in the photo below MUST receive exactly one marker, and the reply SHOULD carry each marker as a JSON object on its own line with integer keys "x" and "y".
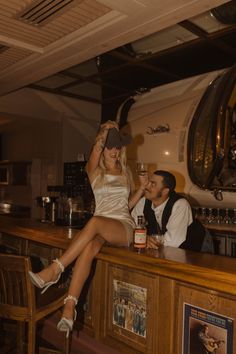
{"x": 125, "y": 170}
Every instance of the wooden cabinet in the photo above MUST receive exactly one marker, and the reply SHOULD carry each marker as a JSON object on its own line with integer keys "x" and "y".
{"x": 225, "y": 244}
{"x": 224, "y": 238}
{"x": 17, "y": 245}
{"x": 46, "y": 253}
{"x": 14, "y": 245}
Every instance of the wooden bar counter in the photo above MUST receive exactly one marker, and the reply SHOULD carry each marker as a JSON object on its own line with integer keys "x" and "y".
{"x": 163, "y": 295}
{"x": 223, "y": 228}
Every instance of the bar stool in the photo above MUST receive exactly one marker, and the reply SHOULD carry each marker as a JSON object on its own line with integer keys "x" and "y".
{"x": 22, "y": 302}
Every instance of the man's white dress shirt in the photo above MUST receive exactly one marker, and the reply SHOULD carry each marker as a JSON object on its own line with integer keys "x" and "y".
{"x": 180, "y": 219}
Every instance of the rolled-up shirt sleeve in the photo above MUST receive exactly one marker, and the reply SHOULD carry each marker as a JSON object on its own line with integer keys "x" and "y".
{"x": 180, "y": 219}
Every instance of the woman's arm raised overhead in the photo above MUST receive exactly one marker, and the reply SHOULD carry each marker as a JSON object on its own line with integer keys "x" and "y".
{"x": 98, "y": 147}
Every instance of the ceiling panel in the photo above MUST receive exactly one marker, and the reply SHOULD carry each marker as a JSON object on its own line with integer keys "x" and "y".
{"x": 55, "y": 81}
{"x": 168, "y": 38}
{"x": 186, "y": 49}
{"x": 80, "y": 31}
{"x": 86, "y": 89}
{"x": 87, "y": 68}
{"x": 72, "y": 18}
{"x": 208, "y": 22}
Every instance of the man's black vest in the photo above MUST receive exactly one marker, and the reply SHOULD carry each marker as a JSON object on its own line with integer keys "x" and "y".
{"x": 195, "y": 231}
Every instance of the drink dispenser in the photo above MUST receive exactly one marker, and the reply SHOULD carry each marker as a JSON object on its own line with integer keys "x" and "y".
{"x": 48, "y": 208}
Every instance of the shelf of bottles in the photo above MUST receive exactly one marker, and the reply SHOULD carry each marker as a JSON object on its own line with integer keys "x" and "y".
{"x": 216, "y": 215}
{"x": 75, "y": 200}
{"x": 218, "y": 221}
{"x": 76, "y": 183}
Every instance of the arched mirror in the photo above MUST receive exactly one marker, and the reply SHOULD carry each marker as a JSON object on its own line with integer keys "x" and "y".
{"x": 212, "y": 136}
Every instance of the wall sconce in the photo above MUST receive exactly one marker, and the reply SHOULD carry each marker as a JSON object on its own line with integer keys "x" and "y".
{"x": 158, "y": 130}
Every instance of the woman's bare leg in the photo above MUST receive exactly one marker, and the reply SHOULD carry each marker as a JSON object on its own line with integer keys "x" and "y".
{"x": 110, "y": 230}
{"x": 80, "y": 274}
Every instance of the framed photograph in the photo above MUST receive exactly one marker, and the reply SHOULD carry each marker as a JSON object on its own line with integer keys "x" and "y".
{"x": 129, "y": 307}
{"x": 206, "y": 332}
{"x": 132, "y": 308}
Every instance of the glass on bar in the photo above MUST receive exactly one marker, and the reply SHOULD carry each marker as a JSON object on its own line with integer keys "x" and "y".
{"x": 219, "y": 218}
{"x": 203, "y": 216}
{"x": 210, "y": 217}
{"x": 227, "y": 218}
{"x": 142, "y": 168}
{"x": 233, "y": 219}
{"x": 159, "y": 239}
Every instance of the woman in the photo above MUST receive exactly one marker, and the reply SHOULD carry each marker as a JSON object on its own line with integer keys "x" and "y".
{"x": 111, "y": 182}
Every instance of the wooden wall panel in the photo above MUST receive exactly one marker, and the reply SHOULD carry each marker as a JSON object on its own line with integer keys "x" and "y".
{"x": 165, "y": 329}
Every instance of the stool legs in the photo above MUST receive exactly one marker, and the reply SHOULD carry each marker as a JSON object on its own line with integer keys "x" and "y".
{"x": 20, "y": 335}
{"x": 31, "y": 337}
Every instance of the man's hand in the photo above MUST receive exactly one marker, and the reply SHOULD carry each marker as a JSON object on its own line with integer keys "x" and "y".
{"x": 155, "y": 241}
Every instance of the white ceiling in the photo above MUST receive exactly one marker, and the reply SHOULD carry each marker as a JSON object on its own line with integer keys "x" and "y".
{"x": 83, "y": 30}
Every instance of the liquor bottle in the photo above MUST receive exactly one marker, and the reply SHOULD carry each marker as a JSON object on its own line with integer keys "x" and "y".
{"x": 140, "y": 234}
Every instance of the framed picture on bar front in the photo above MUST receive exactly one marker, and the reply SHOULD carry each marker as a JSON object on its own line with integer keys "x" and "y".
{"x": 131, "y": 308}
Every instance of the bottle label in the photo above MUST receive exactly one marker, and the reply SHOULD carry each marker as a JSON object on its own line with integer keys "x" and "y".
{"x": 140, "y": 238}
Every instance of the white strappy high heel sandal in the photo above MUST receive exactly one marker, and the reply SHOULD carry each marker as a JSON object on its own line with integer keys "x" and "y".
{"x": 66, "y": 325}
{"x": 40, "y": 283}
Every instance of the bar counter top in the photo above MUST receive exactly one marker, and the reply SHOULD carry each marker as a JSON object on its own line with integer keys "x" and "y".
{"x": 222, "y": 228}
{"x": 206, "y": 270}
{"x": 34, "y": 230}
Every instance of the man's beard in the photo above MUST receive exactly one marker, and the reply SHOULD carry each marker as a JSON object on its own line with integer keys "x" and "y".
{"x": 159, "y": 194}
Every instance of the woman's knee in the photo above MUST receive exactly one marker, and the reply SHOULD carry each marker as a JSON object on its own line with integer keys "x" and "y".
{"x": 92, "y": 222}
{"x": 97, "y": 245}
{"x": 95, "y": 224}
{"x": 94, "y": 247}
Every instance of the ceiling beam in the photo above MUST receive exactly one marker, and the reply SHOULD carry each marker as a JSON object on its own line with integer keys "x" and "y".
{"x": 213, "y": 40}
{"x": 11, "y": 42}
{"x": 138, "y": 61}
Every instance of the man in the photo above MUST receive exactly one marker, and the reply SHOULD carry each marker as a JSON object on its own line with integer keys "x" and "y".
{"x": 167, "y": 213}
{"x": 209, "y": 344}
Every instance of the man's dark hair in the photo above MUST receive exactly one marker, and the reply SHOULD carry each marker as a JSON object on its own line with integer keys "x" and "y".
{"x": 169, "y": 180}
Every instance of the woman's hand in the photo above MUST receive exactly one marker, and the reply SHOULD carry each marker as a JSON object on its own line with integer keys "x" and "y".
{"x": 102, "y": 134}
{"x": 109, "y": 124}
{"x": 98, "y": 147}
{"x": 139, "y": 193}
{"x": 143, "y": 181}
